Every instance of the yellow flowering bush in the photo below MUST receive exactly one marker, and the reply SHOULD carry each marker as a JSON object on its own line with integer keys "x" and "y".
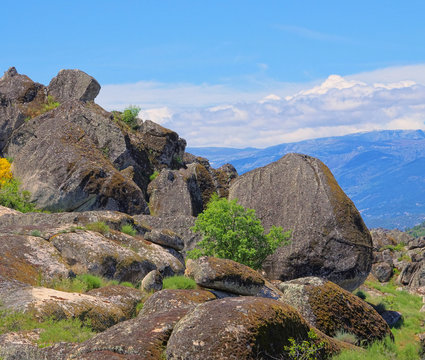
{"x": 5, "y": 173}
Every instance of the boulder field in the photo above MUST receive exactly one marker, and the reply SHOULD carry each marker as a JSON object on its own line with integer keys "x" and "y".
{"x": 97, "y": 173}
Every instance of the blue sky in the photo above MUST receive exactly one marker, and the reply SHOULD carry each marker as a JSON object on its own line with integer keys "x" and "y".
{"x": 178, "y": 59}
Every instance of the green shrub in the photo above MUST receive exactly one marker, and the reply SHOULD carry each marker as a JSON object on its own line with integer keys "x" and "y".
{"x": 178, "y": 282}
{"x": 232, "y": 232}
{"x": 154, "y": 175}
{"x": 129, "y": 116}
{"x": 361, "y": 295}
{"x": 127, "y": 284}
{"x": 36, "y": 233}
{"x": 128, "y": 229}
{"x": 51, "y": 104}
{"x": 306, "y": 350}
{"x": 12, "y": 197}
{"x": 99, "y": 226}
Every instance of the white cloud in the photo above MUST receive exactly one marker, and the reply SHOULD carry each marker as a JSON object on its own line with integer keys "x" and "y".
{"x": 218, "y": 115}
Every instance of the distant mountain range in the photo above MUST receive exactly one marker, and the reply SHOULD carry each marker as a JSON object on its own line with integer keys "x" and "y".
{"x": 383, "y": 172}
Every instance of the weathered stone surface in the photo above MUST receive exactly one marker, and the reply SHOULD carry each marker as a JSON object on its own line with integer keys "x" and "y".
{"x": 73, "y": 85}
{"x": 18, "y": 96}
{"x": 58, "y": 158}
{"x": 6, "y": 211}
{"x": 330, "y": 308}
{"x": 237, "y": 328}
{"x": 173, "y": 299}
{"x": 418, "y": 243}
{"x": 180, "y": 224}
{"x": 45, "y": 303}
{"x": 165, "y": 145}
{"x": 384, "y": 237}
{"x": 174, "y": 192}
{"x": 408, "y": 272}
{"x": 30, "y": 259}
{"x": 152, "y": 281}
{"x": 126, "y": 298}
{"x": 144, "y": 337}
{"x": 391, "y": 317}
{"x": 165, "y": 237}
{"x": 229, "y": 276}
{"x": 329, "y": 237}
{"x": 382, "y": 271}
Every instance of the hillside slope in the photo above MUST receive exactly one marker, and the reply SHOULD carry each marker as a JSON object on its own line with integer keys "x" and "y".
{"x": 381, "y": 171}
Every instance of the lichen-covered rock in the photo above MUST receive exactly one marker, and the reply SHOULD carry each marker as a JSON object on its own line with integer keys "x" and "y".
{"x": 229, "y": 276}
{"x": 384, "y": 237}
{"x": 30, "y": 259}
{"x": 174, "y": 192}
{"x": 329, "y": 237}
{"x": 152, "y": 281}
{"x": 382, "y": 271}
{"x": 237, "y": 328}
{"x": 330, "y": 308}
{"x": 144, "y": 337}
{"x": 19, "y": 95}
{"x": 6, "y": 211}
{"x": 172, "y": 299}
{"x": 46, "y": 303}
{"x": 165, "y": 237}
{"x": 73, "y": 85}
{"x": 180, "y": 224}
{"x": 126, "y": 298}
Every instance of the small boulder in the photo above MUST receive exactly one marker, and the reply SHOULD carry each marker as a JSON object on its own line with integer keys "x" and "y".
{"x": 382, "y": 271}
{"x": 165, "y": 237}
{"x": 229, "y": 276}
{"x": 152, "y": 281}
{"x": 73, "y": 85}
{"x": 330, "y": 308}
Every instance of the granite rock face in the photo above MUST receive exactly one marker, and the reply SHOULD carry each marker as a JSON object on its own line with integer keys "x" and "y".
{"x": 329, "y": 237}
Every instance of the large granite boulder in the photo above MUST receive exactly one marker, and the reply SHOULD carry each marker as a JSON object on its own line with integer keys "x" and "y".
{"x": 329, "y": 237}
{"x": 73, "y": 85}
{"x": 330, "y": 308}
{"x": 239, "y": 328}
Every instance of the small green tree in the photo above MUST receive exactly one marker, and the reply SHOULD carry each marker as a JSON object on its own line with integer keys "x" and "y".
{"x": 232, "y": 232}
{"x": 129, "y": 116}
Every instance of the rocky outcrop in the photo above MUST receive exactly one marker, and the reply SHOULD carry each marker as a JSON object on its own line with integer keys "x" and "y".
{"x": 73, "y": 85}
{"x": 41, "y": 247}
{"x": 382, "y": 238}
{"x": 165, "y": 237}
{"x": 331, "y": 308}
{"x": 152, "y": 281}
{"x": 329, "y": 237}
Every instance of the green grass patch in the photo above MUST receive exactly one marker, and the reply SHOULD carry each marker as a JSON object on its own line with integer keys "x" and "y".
{"x": 154, "y": 176}
{"x": 178, "y": 282}
{"x": 406, "y": 345}
{"x": 128, "y": 229}
{"x": 99, "y": 226}
{"x": 80, "y": 284}
{"x": 53, "y": 331}
{"x": 398, "y": 247}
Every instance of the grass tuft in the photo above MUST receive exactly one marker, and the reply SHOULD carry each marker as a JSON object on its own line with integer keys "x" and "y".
{"x": 178, "y": 282}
